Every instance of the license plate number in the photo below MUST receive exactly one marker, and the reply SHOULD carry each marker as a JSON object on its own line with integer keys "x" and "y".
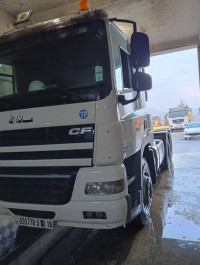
{"x": 35, "y": 222}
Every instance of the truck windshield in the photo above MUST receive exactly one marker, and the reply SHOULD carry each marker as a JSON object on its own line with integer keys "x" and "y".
{"x": 63, "y": 66}
{"x": 178, "y": 113}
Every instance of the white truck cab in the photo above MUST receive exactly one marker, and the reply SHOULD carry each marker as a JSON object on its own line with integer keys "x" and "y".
{"x": 76, "y": 143}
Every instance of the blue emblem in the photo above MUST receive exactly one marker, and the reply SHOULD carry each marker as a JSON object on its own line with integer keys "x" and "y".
{"x": 83, "y": 114}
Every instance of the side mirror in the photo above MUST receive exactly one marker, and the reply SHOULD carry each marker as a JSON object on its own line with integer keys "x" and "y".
{"x": 141, "y": 82}
{"x": 140, "y": 52}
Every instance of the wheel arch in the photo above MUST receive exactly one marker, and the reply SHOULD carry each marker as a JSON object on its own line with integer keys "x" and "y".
{"x": 133, "y": 165}
{"x": 165, "y": 136}
{"x": 149, "y": 155}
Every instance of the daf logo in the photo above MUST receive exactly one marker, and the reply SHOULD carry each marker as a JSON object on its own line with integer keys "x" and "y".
{"x": 77, "y": 131}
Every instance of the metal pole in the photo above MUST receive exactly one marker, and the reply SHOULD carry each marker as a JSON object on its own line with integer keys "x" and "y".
{"x": 198, "y": 54}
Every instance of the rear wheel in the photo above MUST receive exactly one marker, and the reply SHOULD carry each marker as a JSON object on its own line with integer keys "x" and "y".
{"x": 168, "y": 154}
{"x": 147, "y": 194}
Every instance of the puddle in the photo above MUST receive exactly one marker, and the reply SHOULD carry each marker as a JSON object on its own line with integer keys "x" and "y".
{"x": 178, "y": 227}
{"x": 183, "y": 218}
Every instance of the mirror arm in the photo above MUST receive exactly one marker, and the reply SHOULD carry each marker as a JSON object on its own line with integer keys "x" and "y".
{"x": 123, "y": 101}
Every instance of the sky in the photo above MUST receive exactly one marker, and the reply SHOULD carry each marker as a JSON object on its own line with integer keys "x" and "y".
{"x": 175, "y": 76}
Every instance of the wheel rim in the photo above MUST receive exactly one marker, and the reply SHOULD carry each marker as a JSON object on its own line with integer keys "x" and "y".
{"x": 147, "y": 188}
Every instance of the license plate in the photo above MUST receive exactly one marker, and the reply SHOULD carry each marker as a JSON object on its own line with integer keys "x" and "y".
{"x": 35, "y": 222}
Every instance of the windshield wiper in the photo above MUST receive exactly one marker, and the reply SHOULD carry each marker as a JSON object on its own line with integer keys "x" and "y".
{"x": 65, "y": 91}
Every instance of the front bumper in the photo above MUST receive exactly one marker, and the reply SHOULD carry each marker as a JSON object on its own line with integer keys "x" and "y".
{"x": 177, "y": 127}
{"x": 71, "y": 214}
{"x": 191, "y": 136}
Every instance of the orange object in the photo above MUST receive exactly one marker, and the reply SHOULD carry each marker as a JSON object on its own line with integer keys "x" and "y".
{"x": 156, "y": 121}
{"x": 83, "y": 5}
{"x": 138, "y": 122}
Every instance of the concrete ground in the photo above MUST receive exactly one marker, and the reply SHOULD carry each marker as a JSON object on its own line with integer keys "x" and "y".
{"x": 172, "y": 235}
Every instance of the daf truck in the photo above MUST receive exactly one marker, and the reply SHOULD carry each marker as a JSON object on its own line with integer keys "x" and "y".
{"x": 76, "y": 142}
{"x": 179, "y": 117}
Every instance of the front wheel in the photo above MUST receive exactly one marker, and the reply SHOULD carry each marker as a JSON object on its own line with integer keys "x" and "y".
{"x": 147, "y": 194}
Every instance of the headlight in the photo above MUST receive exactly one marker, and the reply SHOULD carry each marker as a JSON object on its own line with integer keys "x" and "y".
{"x": 104, "y": 188}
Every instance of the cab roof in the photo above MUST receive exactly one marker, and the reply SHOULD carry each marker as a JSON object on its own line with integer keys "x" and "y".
{"x": 53, "y": 24}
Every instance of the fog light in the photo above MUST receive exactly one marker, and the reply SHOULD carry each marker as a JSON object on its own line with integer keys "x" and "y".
{"x": 104, "y": 188}
{"x": 88, "y": 215}
{"x": 94, "y": 215}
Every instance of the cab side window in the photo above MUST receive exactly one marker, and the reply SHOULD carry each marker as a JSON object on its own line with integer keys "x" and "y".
{"x": 126, "y": 68}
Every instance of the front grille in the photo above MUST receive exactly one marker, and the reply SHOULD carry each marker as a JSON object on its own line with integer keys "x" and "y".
{"x": 32, "y": 213}
{"x": 177, "y": 121}
{"x": 53, "y": 146}
{"x": 39, "y": 166}
{"x": 46, "y": 171}
{"x": 47, "y": 135}
{"x": 62, "y": 154}
{"x": 37, "y": 189}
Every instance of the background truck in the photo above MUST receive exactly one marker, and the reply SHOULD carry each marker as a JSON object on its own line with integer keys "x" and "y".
{"x": 76, "y": 143}
{"x": 179, "y": 117}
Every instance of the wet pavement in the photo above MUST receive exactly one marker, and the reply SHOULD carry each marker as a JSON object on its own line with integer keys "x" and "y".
{"x": 172, "y": 235}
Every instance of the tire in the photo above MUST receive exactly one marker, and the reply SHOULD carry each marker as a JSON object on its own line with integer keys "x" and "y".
{"x": 168, "y": 155}
{"x": 170, "y": 148}
{"x": 147, "y": 194}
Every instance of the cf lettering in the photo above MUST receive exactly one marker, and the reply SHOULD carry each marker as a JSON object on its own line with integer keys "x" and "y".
{"x": 86, "y": 129}
{"x": 74, "y": 131}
